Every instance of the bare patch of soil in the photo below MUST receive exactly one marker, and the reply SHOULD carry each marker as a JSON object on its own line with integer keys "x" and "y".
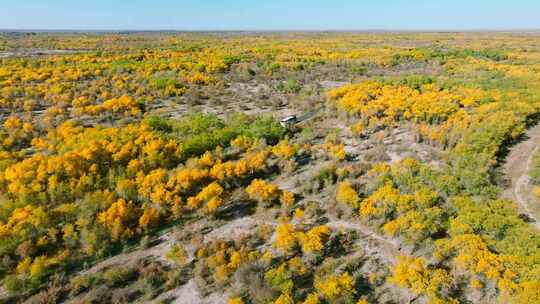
{"x": 516, "y": 170}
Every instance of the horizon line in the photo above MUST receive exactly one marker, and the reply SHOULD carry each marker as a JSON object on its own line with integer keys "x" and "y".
{"x": 397, "y": 30}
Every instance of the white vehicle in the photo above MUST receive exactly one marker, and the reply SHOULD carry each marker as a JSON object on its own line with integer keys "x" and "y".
{"x": 288, "y": 121}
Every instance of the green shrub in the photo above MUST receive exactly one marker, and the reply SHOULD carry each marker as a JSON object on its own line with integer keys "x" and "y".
{"x": 534, "y": 172}
{"x": 290, "y": 86}
{"x": 359, "y": 70}
{"x": 279, "y": 279}
{"x": 159, "y": 123}
{"x": 81, "y": 283}
{"x": 230, "y": 60}
{"x": 202, "y": 132}
{"x": 118, "y": 276}
{"x": 14, "y": 285}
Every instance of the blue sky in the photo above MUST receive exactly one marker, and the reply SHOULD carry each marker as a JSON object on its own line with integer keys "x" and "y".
{"x": 270, "y": 14}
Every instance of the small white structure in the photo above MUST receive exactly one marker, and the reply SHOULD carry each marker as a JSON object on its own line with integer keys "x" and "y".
{"x": 288, "y": 121}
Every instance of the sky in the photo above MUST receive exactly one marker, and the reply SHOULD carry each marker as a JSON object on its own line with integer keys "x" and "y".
{"x": 270, "y": 14}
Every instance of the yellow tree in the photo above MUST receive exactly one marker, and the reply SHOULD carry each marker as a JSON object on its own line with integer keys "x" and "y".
{"x": 149, "y": 217}
{"x": 286, "y": 198}
{"x": 314, "y": 239}
{"x": 285, "y": 236}
{"x": 346, "y": 194}
{"x": 262, "y": 191}
{"x": 118, "y": 218}
{"x": 335, "y": 286}
{"x": 236, "y": 300}
{"x": 211, "y": 195}
{"x": 284, "y": 150}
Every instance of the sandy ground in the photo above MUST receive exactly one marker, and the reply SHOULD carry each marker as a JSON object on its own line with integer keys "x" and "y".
{"x": 516, "y": 170}
{"x": 35, "y": 52}
{"x": 374, "y": 243}
{"x": 159, "y": 251}
{"x": 189, "y": 294}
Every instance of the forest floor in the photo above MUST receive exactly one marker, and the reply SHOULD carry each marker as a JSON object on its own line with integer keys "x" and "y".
{"x": 516, "y": 170}
{"x": 396, "y": 145}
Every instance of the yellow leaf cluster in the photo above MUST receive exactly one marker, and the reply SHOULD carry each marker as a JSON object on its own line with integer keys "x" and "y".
{"x": 262, "y": 191}
{"x": 335, "y": 286}
{"x": 284, "y": 149}
{"x": 346, "y": 194}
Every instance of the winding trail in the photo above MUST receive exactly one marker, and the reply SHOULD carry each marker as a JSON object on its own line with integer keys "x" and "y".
{"x": 389, "y": 250}
{"x": 516, "y": 169}
{"x": 159, "y": 251}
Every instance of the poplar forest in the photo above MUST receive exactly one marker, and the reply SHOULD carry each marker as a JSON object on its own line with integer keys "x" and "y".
{"x": 254, "y": 168}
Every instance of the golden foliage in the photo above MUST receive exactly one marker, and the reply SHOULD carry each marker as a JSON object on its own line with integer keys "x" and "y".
{"x": 346, "y": 194}
{"x": 335, "y": 286}
{"x": 236, "y": 300}
{"x": 412, "y": 273}
{"x": 284, "y": 150}
{"x": 314, "y": 239}
{"x": 262, "y": 191}
{"x": 284, "y": 299}
{"x": 149, "y": 217}
{"x": 118, "y": 217}
{"x": 287, "y": 198}
{"x": 285, "y": 236}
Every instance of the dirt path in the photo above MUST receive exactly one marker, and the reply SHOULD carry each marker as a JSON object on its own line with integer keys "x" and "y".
{"x": 387, "y": 249}
{"x": 516, "y": 170}
{"x": 229, "y": 230}
{"x": 189, "y": 294}
{"x": 159, "y": 251}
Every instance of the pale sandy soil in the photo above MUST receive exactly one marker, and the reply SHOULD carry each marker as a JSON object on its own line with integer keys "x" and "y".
{"x": 516, "y": 170}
